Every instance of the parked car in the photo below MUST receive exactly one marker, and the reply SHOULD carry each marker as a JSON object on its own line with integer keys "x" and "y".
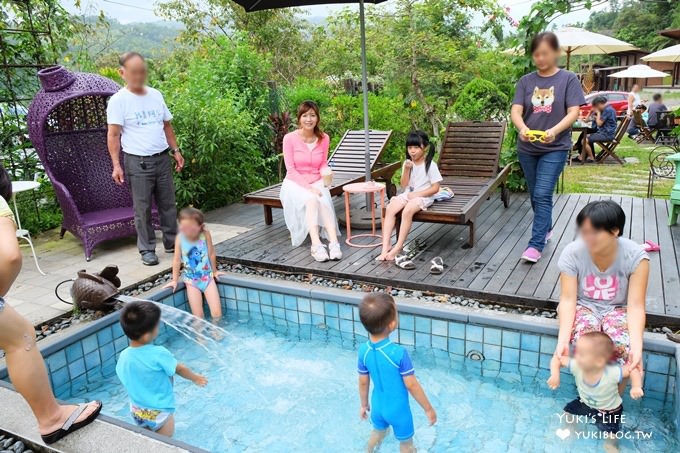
{"x": 617, "y": 99}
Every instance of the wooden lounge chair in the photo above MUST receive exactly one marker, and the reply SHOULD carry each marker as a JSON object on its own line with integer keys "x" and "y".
{"x": 348, "y": 167}
{"x": 609, "y": 148}
{"x": 468, "y": 163}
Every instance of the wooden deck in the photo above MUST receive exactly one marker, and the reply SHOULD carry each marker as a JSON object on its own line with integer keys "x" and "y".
{"x": 490, "y": 270}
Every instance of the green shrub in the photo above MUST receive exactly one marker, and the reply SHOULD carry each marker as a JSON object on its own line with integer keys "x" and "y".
{"x": 219, "y": 99}
{"x": 516, "y": 181}
{"x": 481, "y": 100}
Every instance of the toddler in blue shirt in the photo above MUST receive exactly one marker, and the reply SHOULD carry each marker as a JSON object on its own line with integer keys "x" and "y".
{"x": 147, "y": 370}
{"x": 390, "y": 367}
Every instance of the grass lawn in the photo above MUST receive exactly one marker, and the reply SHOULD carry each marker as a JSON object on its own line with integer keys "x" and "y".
{"x": 629, "y": 179}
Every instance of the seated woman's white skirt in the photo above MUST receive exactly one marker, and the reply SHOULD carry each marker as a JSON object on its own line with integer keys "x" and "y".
{"x": 294, "y": 199}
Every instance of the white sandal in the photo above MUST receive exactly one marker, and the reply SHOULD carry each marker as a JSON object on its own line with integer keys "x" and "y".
{"x": 319, "y": 253}
{"x": 437, "y": 265}
{"x": 334, "y": 251}
{"x": 404, "y": 262}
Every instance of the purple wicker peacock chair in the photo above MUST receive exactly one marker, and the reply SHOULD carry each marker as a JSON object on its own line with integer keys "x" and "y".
{"x": 67, "y": 125}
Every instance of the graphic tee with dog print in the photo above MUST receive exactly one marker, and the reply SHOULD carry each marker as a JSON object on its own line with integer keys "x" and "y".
{"x": 600, "y": 291}
{"x": 545, "y": 101}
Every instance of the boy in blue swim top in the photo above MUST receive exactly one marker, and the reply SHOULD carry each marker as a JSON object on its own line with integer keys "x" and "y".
{"x": 390, "y": 367}
{"x": 146, "y": 370}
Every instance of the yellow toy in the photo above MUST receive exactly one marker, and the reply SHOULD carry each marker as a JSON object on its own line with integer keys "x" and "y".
{"x": 535, "y": 136}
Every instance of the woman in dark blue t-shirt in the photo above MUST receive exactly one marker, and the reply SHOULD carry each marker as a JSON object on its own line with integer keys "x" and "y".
{"x": 546, "y": 100}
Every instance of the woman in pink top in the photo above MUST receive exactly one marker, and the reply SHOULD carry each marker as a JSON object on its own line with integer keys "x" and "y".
{"x": 307, "y": 203}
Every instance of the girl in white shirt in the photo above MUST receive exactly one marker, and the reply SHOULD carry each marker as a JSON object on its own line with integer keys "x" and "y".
{"x": 420, "y": 180}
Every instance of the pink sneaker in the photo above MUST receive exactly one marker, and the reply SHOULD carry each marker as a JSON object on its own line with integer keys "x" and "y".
{"x": 531, "y": 255}
{"x": 548, "y": 236}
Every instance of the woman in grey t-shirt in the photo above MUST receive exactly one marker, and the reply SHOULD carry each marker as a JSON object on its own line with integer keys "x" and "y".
{"x": 546, "y": 100}
{"x": 603, "y": 283}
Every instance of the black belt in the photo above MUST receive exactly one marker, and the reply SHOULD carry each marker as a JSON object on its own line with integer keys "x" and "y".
{"x": 165, "y": 151}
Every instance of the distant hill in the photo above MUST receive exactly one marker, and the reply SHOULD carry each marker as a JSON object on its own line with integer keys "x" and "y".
{"x": 151, "y": 39}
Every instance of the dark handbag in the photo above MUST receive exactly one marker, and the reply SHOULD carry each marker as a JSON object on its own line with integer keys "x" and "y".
{"x": 96, "y": 291}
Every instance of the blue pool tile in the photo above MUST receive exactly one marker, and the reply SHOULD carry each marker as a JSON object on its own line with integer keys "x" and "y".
{"x": 277, "y": 300}
{"x": 655, "y": 381}
{"x": 107, "y": 351}
{"x": 528, "y": 358}
{"x": 457, "y": 330}
{"x": 423, "y": 340}
{"x": 544, "y": 360}
{"x": 304, "y": 305}
{"x": 253, "y": 295}
{"x": 254, "y": 308}
{"x": 290, "y": 302}
{"x": 492, "y": 336}
{"x": 281, "y": 322}
{"x": 423, "y": 324}
{"x": 509, "y": 355}
{"x": 530, "y": 342}
{"x": 333, "y": 322}
{"x": 92, "y": 360}
{"x": 117, "y": 331}
{"x": 256, "y": 315}
{"x": 318, "y": 319}
{"x": 59, "y": 377}
{"x": 241, "y": 293}
{"x": 279, "y": 313}
{"x": 359, "y": 329}
{"x": 345, "y": 311}
{"x": 231, "y": 305}
{"x": 510, "y": 339}
{"x": 267, "y": 310}
{"x": 658, "y": 363}
{"x": 76, "y": 368}
{"x": 439, "y": 342}
{"x": 105, "y": 336}
{"x": 492, "y": 352}
{"x": 304, "y": 319}
{"x": 406, "y": 322}
{"x": 317, "y": 307}
{"x": 473, "y": 346}
{"x": 265, "y": 297}
{"x": 90, "y": 343}
{"x": 178, "y": 299}
{"x": 406, "y": 337}
{"x": 120, "y": 344}
{"x": 355, "y": 312}
{"x": 74, "y": 352}
{"x": 548, "y": 344}
{"x": 346, "y": 326}
{"x": 457, "y": 346}
{"x": 671, "y": 385}
{"x": 440, "y": 327}
{"x": 229, "y": 291}
{"x": 292, "y": 315}
{"x": 474, "y": 333}
{"x": 56, "y": 360}
{"x": 332, "y": 309}
{"x": 242, "y": 305}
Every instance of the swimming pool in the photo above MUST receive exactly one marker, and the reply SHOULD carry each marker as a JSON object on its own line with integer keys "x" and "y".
{"x": 285, "y": 379}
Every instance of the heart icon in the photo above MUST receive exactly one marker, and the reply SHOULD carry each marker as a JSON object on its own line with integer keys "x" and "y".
{"x": 562, "y": 433}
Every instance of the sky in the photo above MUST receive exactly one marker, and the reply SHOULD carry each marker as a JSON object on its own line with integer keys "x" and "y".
{"x": 126, "y": 11}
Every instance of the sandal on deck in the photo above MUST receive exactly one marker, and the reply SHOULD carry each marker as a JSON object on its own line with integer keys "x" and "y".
{"x": 70, "y": 425}
{"x": 437, "y": 265}
{"x": 650, "y": 246}
{"x": 404, "y": 262}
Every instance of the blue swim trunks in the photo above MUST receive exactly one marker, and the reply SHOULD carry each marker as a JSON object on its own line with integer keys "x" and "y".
{"x": 387, "y": 363}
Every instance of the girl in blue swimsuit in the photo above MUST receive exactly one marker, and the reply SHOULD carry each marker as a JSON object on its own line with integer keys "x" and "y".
{"x": 194, "y": 250}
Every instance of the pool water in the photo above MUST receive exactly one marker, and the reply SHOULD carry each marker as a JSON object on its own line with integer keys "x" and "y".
{"x": 272, "y": 390}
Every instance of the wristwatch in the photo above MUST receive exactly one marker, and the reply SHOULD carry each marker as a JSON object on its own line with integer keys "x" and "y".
{"x": 174, "y": 150}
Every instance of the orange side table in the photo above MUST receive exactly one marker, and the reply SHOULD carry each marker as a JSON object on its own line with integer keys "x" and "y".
{"x": 372, "y": 188}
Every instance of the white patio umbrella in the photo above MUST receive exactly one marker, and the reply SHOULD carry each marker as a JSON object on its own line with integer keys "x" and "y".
{"x": 639, "y": 71}
{"x": 578, "y": 41}
{"x": 671, "y": 54}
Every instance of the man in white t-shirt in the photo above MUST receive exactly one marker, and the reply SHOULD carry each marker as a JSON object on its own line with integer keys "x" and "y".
{"x": 139, "y": 126}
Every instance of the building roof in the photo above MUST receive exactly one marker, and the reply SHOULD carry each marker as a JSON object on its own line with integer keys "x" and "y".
{"x": 673, "y": 33}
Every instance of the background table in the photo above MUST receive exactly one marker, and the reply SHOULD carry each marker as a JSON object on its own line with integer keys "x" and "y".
{"x": 371, "y": 188}
{"x": 24, "y": 186}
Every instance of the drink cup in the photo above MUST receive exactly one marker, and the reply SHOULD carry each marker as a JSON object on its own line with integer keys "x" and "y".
{"x": 327, "y": 176}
